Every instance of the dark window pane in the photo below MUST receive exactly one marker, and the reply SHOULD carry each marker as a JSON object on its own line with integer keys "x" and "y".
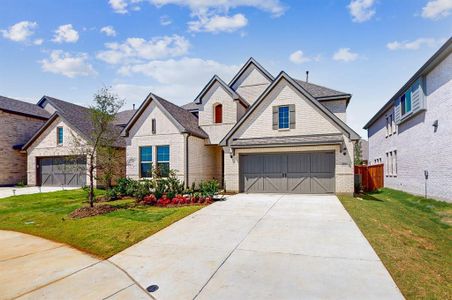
{"x": 146, "y": 169}
{"x": 146, "y": 154}
{"x": 163, "y": 153}
{"x": 163, "y": 169}
{"x": 283, "y": 116}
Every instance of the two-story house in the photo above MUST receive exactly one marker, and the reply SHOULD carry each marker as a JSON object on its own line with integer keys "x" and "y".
{"x": 258, "y": 133}
{"x": 412, "y": 134}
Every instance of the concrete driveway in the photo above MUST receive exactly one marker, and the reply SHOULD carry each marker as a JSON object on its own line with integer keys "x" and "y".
{"x": 15, "y": 191}
{"x": 35, "y": 268}
{"x": 261, "y": 246}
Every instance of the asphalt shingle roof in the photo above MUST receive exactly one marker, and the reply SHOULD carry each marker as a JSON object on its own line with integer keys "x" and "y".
{"x": 318, "y": 91}
{"x": 22, "y": 107}
{"x": 123, "y": 117}
{"x": 185, "y": 118}
{"x": 301, "y": 139}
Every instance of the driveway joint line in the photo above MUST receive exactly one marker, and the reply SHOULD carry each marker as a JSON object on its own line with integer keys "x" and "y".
{"x": 28, "y": 254}
{"x": 238, "y": 244}
{"x": 308, "y": 255}
{"x": 118, "y": 291}
{"x": 133, "y": 280}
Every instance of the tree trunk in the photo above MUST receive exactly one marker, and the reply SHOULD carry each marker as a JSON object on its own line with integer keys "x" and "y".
{"x": 91, "y": 182}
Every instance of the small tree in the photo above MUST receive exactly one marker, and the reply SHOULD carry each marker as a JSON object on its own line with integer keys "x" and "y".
{"x": 358, "y": 153}
{"x": 99, "y": 146}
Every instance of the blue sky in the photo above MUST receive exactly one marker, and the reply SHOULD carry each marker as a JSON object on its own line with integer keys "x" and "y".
{"x": 70, "y": 49}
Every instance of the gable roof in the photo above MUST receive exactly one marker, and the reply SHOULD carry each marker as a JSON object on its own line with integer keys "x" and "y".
{"x": 183, "y": 119}
{"x": 436, "y": 58}
{"x": 226, "y": 87}
{"x": 251, "y": 61}
{"x": 320, "y": 92}
{"x": 76, "y": 116}
{"x": 344, "y": 127}
{"x": 23, "y": 108}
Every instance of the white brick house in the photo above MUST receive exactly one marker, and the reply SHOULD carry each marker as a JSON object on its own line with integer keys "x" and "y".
{"x": 412, "y": 133}
{"x": 256, "y": 134}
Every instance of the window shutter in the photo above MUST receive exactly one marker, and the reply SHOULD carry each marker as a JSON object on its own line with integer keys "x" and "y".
{"x": 417, "y": 96}
{"x": 292, "y": 116}
{"x": 397, "y": 111}
{"x": 275, "y": 117}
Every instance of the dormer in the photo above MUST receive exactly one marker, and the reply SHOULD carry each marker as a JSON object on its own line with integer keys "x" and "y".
{"x": 251, "y": 81}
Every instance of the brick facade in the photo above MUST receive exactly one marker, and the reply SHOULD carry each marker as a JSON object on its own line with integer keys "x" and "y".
{"x": 15, "y": 129}
{"x": 418, "y": 146}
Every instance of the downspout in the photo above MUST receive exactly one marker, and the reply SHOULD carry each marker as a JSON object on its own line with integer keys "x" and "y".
{"x": 187, "y": 135}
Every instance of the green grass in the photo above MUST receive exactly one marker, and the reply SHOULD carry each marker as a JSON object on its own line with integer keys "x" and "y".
{"x": 46, "y": 215}
{"x": 413, "y": 238}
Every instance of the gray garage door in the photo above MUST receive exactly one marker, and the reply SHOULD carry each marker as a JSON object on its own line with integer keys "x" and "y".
{"x": 306, "y": 173}
{"x": 60, "y": 170}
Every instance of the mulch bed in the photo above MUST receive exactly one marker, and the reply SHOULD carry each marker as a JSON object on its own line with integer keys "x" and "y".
{"x": 88, "y": 211}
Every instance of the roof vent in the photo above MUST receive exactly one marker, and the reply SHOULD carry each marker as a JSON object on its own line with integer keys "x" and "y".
{"x": 307, "y": 76}
{"x": 133, "y": 106}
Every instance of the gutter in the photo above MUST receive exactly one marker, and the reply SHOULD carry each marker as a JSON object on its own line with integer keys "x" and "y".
{"x": 186, "y": 135}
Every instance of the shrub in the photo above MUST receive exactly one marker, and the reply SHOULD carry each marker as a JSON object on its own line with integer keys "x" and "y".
{"x": 209, "y": 187}
{"x": 150, "y": 200}
{"x": 123, "y": 185}
{"x": 141, "y": 189}
{"x": 112, "y": 194}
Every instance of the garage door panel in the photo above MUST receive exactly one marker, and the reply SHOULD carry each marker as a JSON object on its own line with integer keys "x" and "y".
{"x": 288, "y": 172}
{"x": 57, "y": 171}
{"x": 298, "y": 183}
{"x": 253, "y": 183}
{"x": 322, "y": 183}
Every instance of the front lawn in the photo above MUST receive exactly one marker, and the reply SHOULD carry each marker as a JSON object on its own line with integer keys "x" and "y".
{"x": 46, "y": 215}
{"x": 413, "y": 238}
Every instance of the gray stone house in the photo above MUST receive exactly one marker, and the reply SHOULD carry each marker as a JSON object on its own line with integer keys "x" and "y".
{"x": 412, "y": 133}
{"x": 19, "y": 120}
{"x": 257, "y": 133}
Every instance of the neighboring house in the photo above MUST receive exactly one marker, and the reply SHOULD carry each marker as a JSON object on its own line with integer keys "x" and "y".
{"x": 412, "y": 133}
{"x": 52, "y": 155}
{"x": 256, "y": 134}
{"x": 18, "y": 122}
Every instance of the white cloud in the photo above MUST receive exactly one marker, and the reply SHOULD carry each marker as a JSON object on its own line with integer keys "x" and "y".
{"x": 19, "y": 32}
{"x": 67, "y": 64}
{"x": 201, "y": 6}
{"x": 361, "y": 10}
{"x": 123, "y": 6}
{"x": 218, "y": 23}
{"x": 65, "y": 33}
{"x": 298, "y": 57}
{"x": 138, "y": 49}
{"x": 165, "y": 20}
{"x": 178, "y": 81}
{"x": 345, "y": 54}
{"x": 436, "y": 9}
{"x": 108, "y": 30}
{"x": 414, "y": 45}
{"x": 38, "y": 42}
{"x": 186, "y": 71}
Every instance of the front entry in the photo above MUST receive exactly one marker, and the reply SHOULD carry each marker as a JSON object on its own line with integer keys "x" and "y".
{"x": 304, "y": 173}
{"x": 61, "y": 170}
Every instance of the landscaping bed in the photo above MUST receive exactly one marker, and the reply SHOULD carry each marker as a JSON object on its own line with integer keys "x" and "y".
{"x": 412, "y": 236}
{"x": 48, "y": 215}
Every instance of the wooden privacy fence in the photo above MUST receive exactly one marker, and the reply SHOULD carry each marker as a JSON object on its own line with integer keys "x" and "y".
{"x": 371, "y": 178}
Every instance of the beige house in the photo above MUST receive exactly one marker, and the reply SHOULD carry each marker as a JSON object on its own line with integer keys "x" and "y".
{"x": 53, "y": 158}
{"x": 256, "y": 134}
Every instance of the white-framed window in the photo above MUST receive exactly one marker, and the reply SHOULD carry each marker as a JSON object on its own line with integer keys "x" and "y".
{"x": 60, "y": 135}
{"x": 146, "y": 162}
{"x": 163, "y": 160}
{"x": 395, "y": 162}
{"x": 387, "y": 126}
{"x": 391, "y": 164}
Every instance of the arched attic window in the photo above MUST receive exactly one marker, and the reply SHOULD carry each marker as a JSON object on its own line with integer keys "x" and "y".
{"x": 218, "y": 113}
